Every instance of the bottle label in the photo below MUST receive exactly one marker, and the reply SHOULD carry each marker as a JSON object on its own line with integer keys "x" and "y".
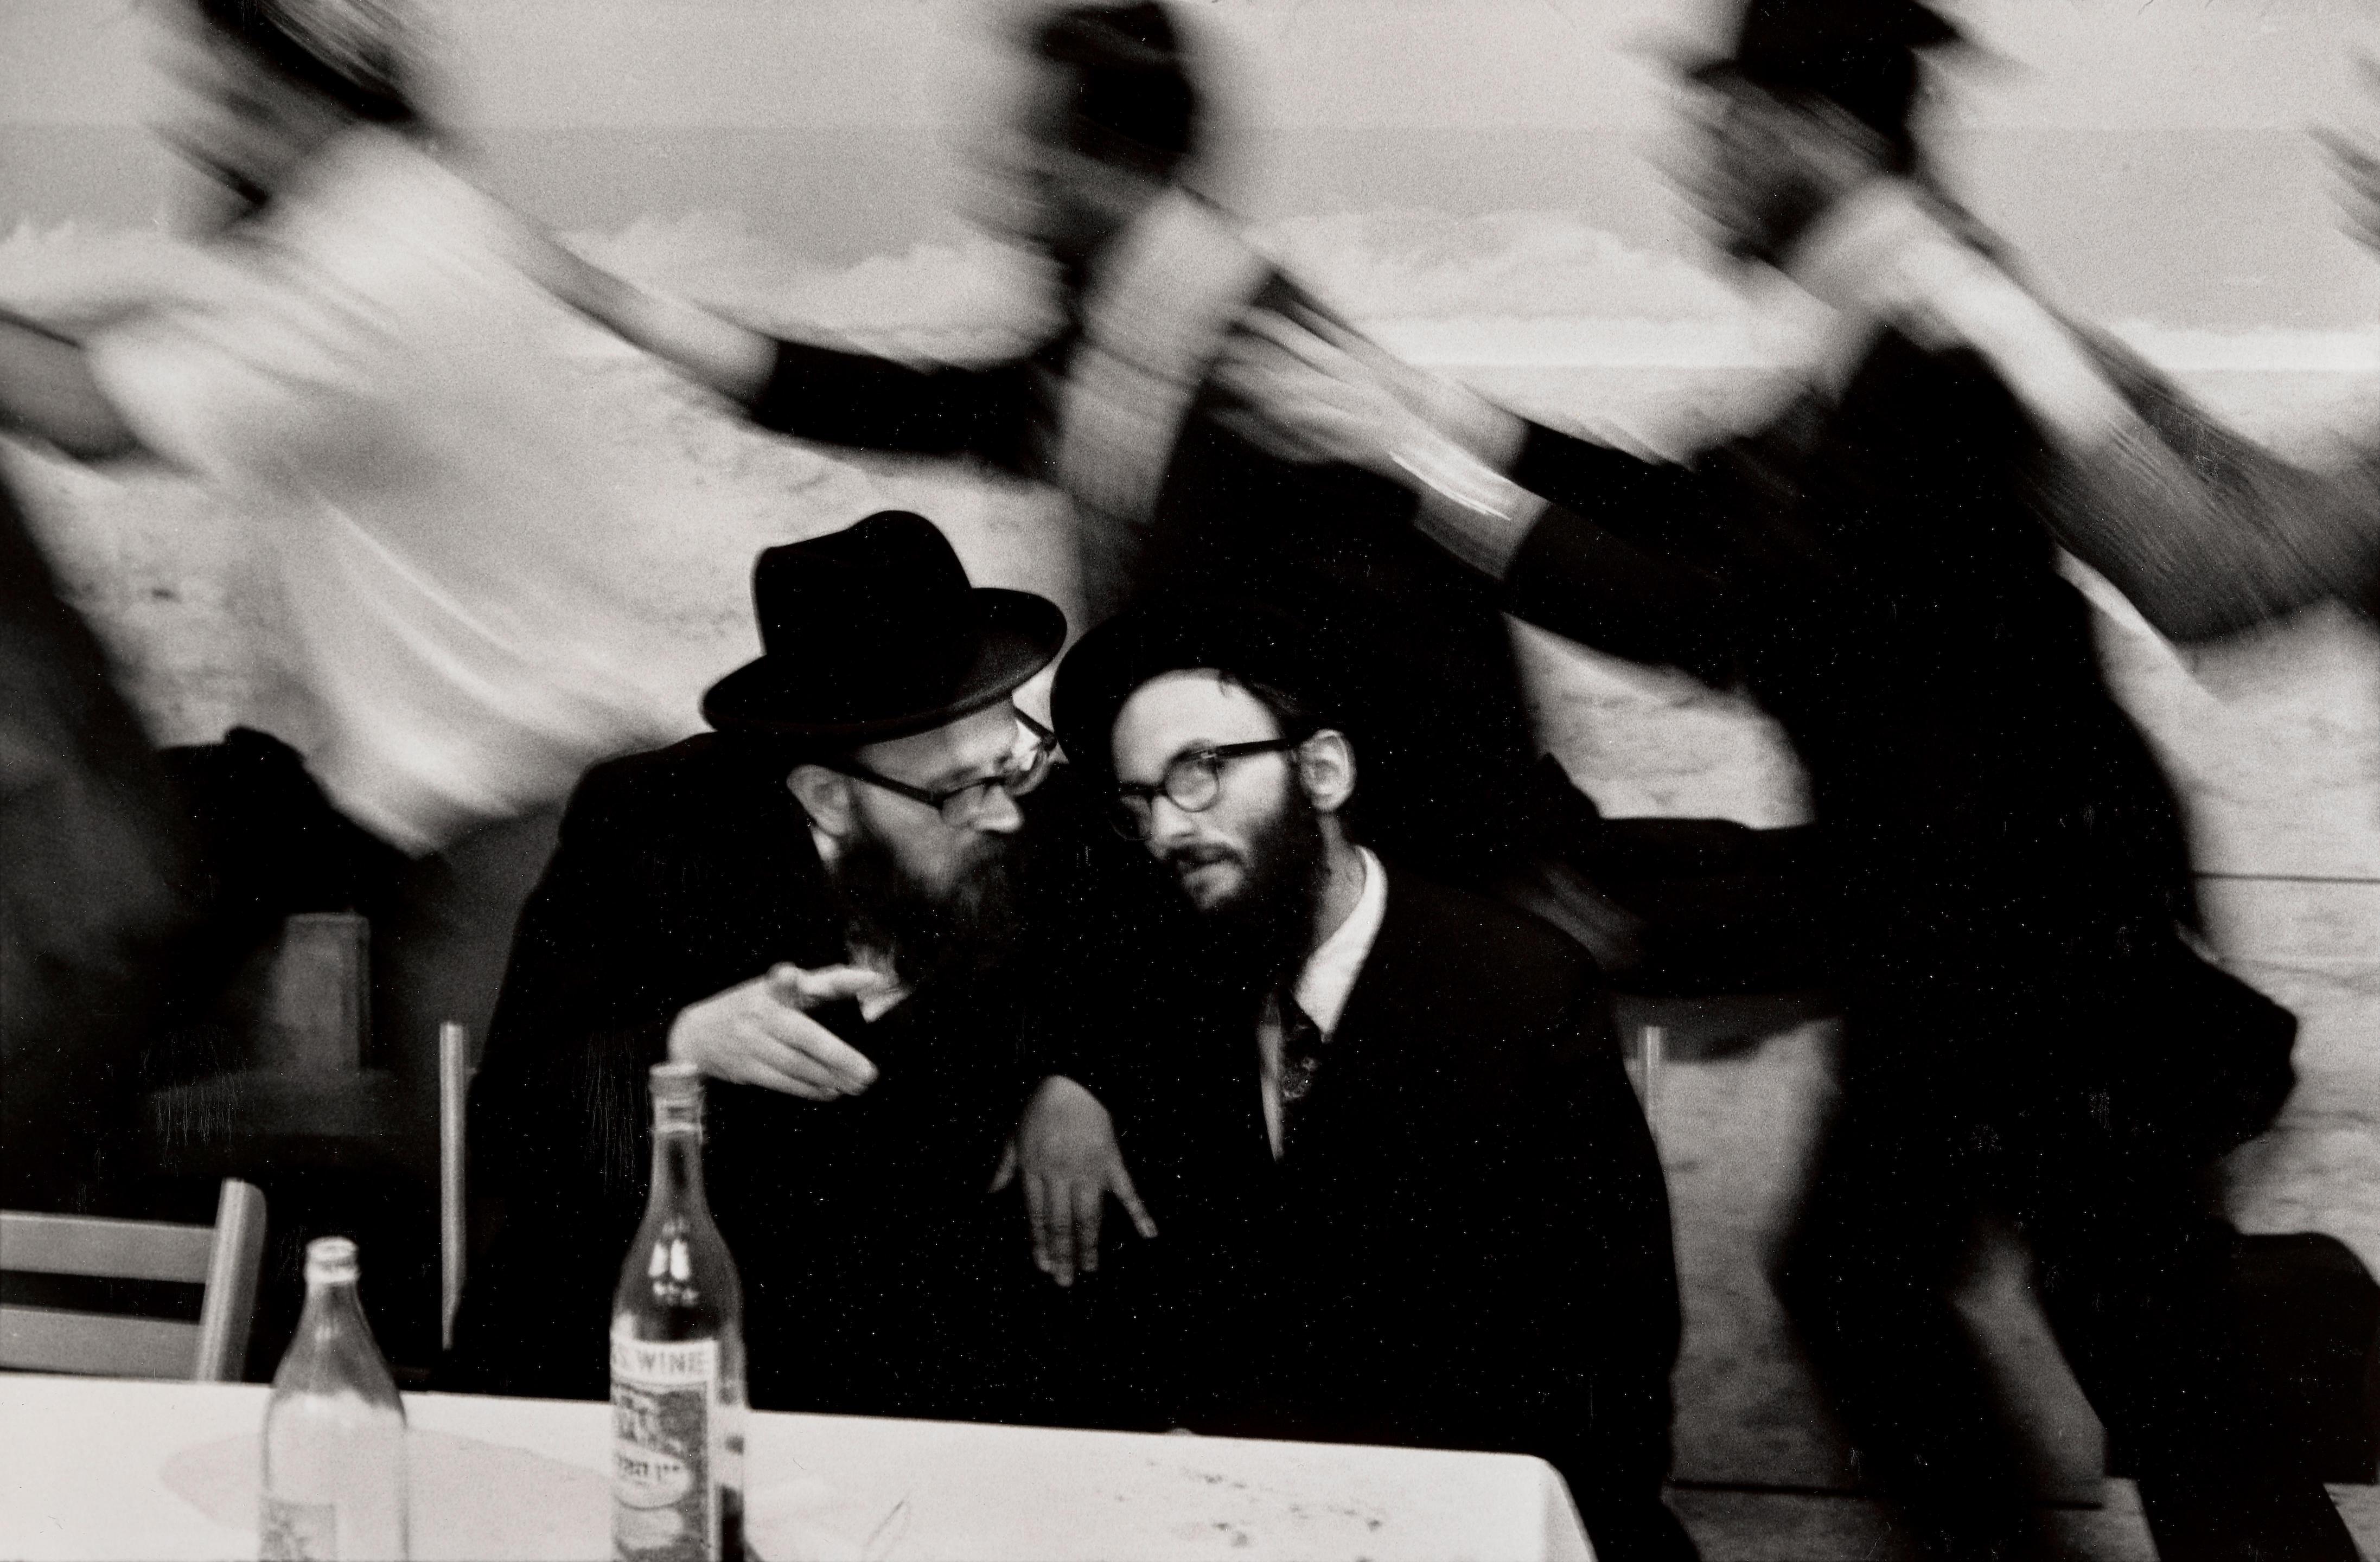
{"x": 299, "y": 1531}
{"x": 666, "y": 1428}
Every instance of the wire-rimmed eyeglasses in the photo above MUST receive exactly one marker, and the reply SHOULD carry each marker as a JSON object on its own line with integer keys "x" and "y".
{"x": 962, "y": 805}
{"x": 1191, "y": 783}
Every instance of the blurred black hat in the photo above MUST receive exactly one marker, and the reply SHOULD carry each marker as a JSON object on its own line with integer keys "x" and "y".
{"x": 1247, "y": 641}
{"x": 365, "y": 55}
{"x": 874, "y": 632}
{"x": 1134, "y": 88}
{"x": 1859, "y": 54}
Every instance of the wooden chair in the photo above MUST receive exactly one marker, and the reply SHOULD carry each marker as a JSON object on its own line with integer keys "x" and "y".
{"x": 225, "y": 1258}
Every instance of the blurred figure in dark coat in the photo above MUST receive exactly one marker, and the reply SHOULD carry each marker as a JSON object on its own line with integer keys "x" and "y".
{"x": 2028, "y": 1029}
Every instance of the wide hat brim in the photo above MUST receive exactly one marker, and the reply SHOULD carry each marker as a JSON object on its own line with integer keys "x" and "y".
{"x": 1016, "y": 634}
{"x": 1249, "y": 641}
{"x": 1819, "y": 45}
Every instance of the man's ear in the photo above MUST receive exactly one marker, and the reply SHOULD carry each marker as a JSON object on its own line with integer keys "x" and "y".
{"x": 1326, "y": 768}
{"x": 825, "y": 796}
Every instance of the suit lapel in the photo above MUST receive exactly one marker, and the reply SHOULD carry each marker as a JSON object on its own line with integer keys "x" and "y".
{"x": 1363, "y": 1054}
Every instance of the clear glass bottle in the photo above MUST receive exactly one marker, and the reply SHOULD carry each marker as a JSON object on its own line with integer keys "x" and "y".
{"x": 678, "y": 1359}
{"x": 333, "y": 1477}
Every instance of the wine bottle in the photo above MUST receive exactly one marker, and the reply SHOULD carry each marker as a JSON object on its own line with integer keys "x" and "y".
{"x": 678, "y": 1359}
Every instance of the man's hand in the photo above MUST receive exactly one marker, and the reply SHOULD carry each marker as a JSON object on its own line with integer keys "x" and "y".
{"x": 1305, "y": 396}
{"x": 758, "y": 1033}
{"x": 1065, "y": 1149}
{"x": 1313, "y": 390}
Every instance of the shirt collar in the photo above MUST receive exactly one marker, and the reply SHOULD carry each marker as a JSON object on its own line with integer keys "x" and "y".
{"x": 1330, "y": 970}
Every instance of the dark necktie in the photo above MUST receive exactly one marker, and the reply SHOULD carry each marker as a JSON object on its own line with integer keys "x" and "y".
{"x": 1301, "y": 1050}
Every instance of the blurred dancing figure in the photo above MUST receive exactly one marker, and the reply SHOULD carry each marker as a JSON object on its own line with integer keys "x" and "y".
{"x": 354, "y": 354}
{"x": 92, "y": 892}
{"x": 2027, "y": 1029}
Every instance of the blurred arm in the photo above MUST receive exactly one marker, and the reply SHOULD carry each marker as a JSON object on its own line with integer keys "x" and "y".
{"x": 1590, "y": 542}
{"x": 47, "y": 389}
{"x": 734, "y": 360}
{"x": 2205, "y": 532}
{"x": 811, "y": 392}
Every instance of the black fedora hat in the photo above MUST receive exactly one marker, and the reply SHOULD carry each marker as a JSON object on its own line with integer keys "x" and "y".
{"x": 874, "y": 632}
{"x": 1859, "y": 54}
{"x": 1249, "y": 641}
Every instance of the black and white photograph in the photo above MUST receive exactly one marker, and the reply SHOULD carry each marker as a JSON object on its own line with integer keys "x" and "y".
{"x": 1137, "y": 781}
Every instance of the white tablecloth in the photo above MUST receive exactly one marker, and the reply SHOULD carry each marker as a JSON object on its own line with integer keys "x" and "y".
{"x": 93, "y": 1468}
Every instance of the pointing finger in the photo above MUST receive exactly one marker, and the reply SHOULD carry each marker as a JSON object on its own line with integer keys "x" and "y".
{"x": 808, "y": 990}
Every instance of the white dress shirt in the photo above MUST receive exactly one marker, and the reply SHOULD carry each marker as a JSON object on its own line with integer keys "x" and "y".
{"x": 370, "y": 372}
{"x": 1323, "y": 986}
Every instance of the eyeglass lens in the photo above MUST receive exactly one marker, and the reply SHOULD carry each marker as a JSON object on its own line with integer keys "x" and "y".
{"x": 1191, "y": 783}
{"x": 967, "y": 804}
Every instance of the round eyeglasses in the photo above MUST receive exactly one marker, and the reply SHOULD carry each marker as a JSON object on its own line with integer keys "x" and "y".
{"x": 962, "y": 805}
{"x": 1191, "y": 783}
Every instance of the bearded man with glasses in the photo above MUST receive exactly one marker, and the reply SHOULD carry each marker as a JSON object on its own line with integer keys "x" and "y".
{"x": 1407, "y": 1194}
{"x": 818, "y": 905}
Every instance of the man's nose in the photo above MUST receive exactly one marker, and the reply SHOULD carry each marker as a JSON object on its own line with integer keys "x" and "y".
{"x": 999, "y": 815}
{"x": 1169, "y": 823}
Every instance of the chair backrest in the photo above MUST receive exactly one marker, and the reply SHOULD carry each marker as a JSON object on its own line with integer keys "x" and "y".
{"x": 225, "y": 1258}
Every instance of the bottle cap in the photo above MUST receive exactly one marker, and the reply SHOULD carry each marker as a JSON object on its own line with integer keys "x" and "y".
{"x": 330, "y": 1260}
{"x": 677, "y": 1082}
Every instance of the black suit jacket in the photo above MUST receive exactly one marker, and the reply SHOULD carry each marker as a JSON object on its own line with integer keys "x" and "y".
{"x": 875, "y": 1267}
{"x": 1467, "y": 1244}
{"x": 2006, "y": 861}
{"x": 1441, "y": 711}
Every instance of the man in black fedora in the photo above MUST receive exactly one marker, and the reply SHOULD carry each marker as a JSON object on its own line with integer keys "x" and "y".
{"x": 1406, "y": 1191}
{"x": 816, "y": 904}
{"x": 2005, "y": 876}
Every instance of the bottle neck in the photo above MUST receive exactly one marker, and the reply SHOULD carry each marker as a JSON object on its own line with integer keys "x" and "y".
{"x": 677, "y": 1160}
{"x": 331, "y": 1305}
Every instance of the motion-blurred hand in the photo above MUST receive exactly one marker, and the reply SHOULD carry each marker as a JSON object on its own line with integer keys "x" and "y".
{"x": 1307, "y": 393}
{"x": 759, "y": 1034}
{"x": 1314, "y": 390}
{"x": 1065, "y": 1149}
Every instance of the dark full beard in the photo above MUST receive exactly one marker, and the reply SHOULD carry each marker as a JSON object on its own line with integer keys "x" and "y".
{"x": 1254, "y": 940}
{"x": 964, "y": 930}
